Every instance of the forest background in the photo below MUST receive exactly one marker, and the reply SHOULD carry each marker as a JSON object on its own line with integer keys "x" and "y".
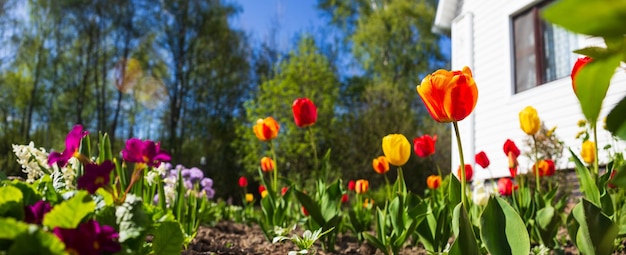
{"x": 181, "y": 72}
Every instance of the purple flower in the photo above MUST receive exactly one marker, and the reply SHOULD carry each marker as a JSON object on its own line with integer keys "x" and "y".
{"x": 89, "y": 238}
{"x": 146, "y": 152}
{"x": 95, "y": 176}
{"x": 207, "y": 183}
{"x": 195, "y": 175}
{"x": 34, "y": 213}
{"x": 188, "y": 184}
{"x": 72, "y": 144}
{"x": 185, "y": 173}
{"x": 210, "y": 193}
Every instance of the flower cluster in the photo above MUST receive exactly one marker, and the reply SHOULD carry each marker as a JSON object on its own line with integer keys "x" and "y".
{"x": 193, "y": 179}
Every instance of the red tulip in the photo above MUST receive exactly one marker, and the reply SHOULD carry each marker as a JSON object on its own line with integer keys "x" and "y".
{"x": 304, "y": 211}
{"x": 449, "y": 95}
{"x": 261, "y": 189}
{"x": 510, "y": 147}
{"x": 577, "y": 66}
{"x": 506, "y": 187}
{"x": 344, "y": 198}
{"x": 424, "y": 146}
{"x": 545, "y": 167}
{"x": 482, "y": 160}
{"x": 304, "y": 112}
{"x": 243, "y": 182}
{"x": 351, "y": 185}
{"x": 283, "y": 191}
{"x": 469, "y": 172}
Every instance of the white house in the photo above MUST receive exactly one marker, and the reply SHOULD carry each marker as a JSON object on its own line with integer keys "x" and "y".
{"x": 517, "y": 60}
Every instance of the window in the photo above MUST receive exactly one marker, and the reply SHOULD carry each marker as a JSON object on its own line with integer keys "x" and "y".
{"x": 543, "y": 52}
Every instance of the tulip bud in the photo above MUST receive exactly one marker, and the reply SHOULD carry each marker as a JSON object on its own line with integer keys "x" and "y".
{"x": 529, "y": 120}
{"x": 351, "y": 185}
{"x": 304, "y": 112}
{"x": 344, "y": 198}
{"x": 397, "y": 149}
{"x": 424, "y": 146}
{"x": 505, "y": 186}
{"x": 588, "y": 152}
{"x": 266, "y": 129}
{"x": 481, "y": 159}
{"x": 433, "y": 181}
{"x": 469, "y": 172}
{"x": 283, "y": 191}
{"x": 380, "y": 165}
{"x": 243, "y": 182}
{"x": 249, "y": 197}
{"x": 480, "y": 196}
{"x": 267, "y": 164}
{"x": 362, "y": 186}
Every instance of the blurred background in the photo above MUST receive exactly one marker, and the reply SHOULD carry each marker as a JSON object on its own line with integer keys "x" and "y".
{"x": 196, "y": 74}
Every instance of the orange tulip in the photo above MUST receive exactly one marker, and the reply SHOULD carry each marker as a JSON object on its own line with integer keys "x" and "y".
{"x": 545, "y": 167}
{"x": 361, "y": 186}
{"x": 267, "y": 164}
{"x": 469, "y": 172}
{"x": 380, "y": 165}
{"x": 449, "y": 95}
{"x": 433, "y": 181}
{"x": 266, "y": 129}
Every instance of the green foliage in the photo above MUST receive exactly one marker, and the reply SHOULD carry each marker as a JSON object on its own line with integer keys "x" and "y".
{"x": 611, "y": 12}
{"x": 591, "y": 230}
{"x": 168, "y": 238}
{"x": 465, "y": 239}
{"x": 68, "y": 214}
{"x": 132, "y": 221}
{"x": 502, "y": 230}
{"x": 324, "y": 209}
{"x": 27, "y": 239}
{"x": 11, "y": 202}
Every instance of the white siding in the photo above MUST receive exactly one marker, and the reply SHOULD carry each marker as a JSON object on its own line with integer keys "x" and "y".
{"x": 496, "y": 113}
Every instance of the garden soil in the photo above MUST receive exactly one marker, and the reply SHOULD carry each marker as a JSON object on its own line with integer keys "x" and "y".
{"x": 236, "y": 238}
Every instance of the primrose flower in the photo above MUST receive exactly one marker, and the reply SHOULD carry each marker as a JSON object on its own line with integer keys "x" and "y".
{"x": 144, "y": 152}
{"x": 72, "y": 144}
{"x": 34, "y": 213}
{"x": 424, "y": 146}
{"x": 266, "y": 129}
{"x": 397, "y": 149}
{"x": 95, "y": 176}
{"x": 449, "y": 95}
{"x": 304, "y": 112}
{"x": 89, "y": 238}
{"x": 380, "y": 165}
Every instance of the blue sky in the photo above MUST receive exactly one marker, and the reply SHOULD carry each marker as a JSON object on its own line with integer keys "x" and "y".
{"x": 293, "y": 16}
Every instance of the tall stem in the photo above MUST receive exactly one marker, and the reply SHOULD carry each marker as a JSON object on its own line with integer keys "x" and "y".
{"x": 537, "y": 181}
{"x": 463, "y": 182}
{"x": 595, "y": 148}
{"x": 314, "y": 148}
{"x": 388, "y": 187}
{"x": 275, "y": 181}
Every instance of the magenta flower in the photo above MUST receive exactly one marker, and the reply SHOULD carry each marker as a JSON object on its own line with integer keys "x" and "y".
{"x": 89, "y": 238}
{"x": 72, "y": 144}
{"x": 34, "y": 213}
{"x": 147, "y": 152}
{"x": 95, "y": 176}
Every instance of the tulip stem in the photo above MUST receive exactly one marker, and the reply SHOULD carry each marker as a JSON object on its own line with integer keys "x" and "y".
{"x": 537, "y": 181}
{"x": 463, "y": 181}
{"x": 314, "y": 147}
{"x": 388, "y": 187}
{"x": 275, "y": 181}
{"x": 595, "y": 148}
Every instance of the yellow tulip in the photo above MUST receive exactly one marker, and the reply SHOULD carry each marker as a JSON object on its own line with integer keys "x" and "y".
{"x": 529, "y": 120}
{"x": 397, "y": 149}
{"x": 588, "y": 152}
{"x": 264, "y": 194}
{"x": 249, "y": 197}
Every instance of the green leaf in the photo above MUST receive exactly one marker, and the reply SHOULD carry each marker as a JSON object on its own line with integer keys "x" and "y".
{"x": 37, "y": 241}
{"x": 375, "y": 242}
{"x": 591, "y": 230}
{"x": 11, "y": 228}
{"x": 547, "y": 224}
{"x": 465, "y": 242}
{"x": 70, "y": 213}
{"x": 454, "y": 191}
{"x": 502, "y": 230}
{"x": 133, "y": 222}
{"x": 30, "y": 196}
{"x": 312, "y": 207}
{"x": 615, "y": 121}
{"x": 11, "y": 202}
{"x": 594, "y": 52}
{"x": 105, "y": 149}
{"x": 592, "y": 83}
{"x": 611, "y": 13}
{"x": 168, "y": 238}
{"x": 587, "y": 184}
{"x": 619, "y": 178}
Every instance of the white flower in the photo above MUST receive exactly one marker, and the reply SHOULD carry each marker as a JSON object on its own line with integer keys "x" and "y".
{"x": 480, "y": 195}
{"x": 151, "y": 177}
{"x": 34, "y": 161}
